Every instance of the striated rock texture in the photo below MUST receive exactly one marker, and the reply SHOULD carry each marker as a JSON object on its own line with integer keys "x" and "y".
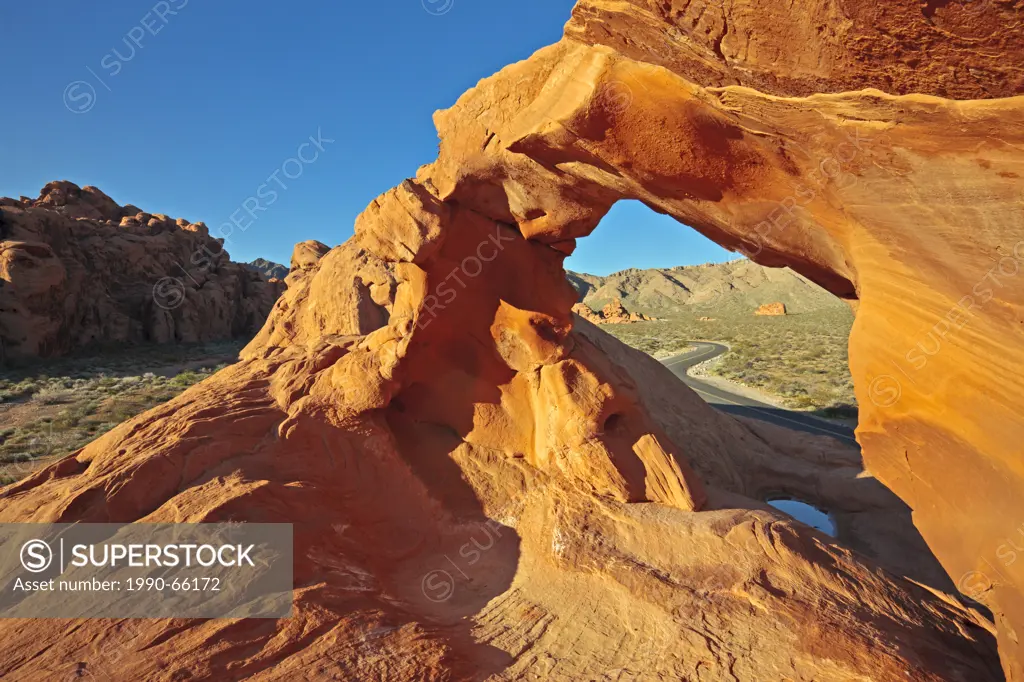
{"x": 76, "y": 269}
{"x": 424, "y": 389}
{"x": 771, "y": 309}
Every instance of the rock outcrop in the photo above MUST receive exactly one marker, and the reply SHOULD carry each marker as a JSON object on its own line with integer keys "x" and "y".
{"x": 424, "y": 388}
{"x": 588, "y": 313}
{"x": 771, "y": 309}
{"x": 77, "y": 269}
{"x": 613, "y": 313}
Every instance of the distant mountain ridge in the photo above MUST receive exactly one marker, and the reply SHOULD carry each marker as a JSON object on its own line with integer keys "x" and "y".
{"x": 269, "y": 269}
{"x": 738, "y": 284}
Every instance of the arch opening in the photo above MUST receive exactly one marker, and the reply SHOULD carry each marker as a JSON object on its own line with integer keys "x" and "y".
{"x": 755, "y": 341}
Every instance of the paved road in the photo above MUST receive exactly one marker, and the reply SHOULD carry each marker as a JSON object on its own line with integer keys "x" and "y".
{"x": 743, "y": 406}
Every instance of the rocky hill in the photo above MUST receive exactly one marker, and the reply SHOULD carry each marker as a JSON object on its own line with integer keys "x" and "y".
{"x": 739, "y": 285}
{"x": 269, "y": 269}
{"x": 78, "y": 270}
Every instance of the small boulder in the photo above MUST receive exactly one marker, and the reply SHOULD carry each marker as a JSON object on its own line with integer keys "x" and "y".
{"x": 771, "y": 309}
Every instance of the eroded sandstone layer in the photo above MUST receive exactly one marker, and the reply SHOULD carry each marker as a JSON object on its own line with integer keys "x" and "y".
{"x": 424, "y": 389}
{"x": 77, "y": 269}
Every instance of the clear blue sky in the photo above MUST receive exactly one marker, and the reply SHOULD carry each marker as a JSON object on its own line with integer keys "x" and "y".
{"x": 191, "y": 105}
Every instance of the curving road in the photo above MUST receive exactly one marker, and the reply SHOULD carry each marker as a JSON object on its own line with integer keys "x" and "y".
{"x": 746, "y": 407}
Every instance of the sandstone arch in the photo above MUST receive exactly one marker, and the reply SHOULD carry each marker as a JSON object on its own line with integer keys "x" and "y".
{"x": 484, "y": 401}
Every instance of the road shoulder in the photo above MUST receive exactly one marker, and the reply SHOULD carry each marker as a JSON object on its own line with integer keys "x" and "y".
{"x": 702, "y": 371}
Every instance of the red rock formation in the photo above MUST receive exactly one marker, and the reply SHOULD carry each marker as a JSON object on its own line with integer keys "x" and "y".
{"x": 587, "y": 313}
{"x": 425, "y": 384}
{"x": 77, "y": 269}
{"x": 771, "y": 309}
{"x": 613, "y": 313}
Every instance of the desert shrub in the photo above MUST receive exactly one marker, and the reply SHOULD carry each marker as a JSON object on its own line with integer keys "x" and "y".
{"x": 65, "y": 404}
{"x": 186, "y": 379}
{"x": 53, "y": 395}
